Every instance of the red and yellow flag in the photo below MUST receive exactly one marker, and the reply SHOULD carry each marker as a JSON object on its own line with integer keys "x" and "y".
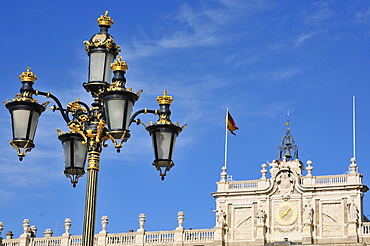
{"x": 231, "y": 124}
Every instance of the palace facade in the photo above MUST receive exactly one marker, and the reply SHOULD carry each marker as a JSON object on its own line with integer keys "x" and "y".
{"x": 283, "y": 207}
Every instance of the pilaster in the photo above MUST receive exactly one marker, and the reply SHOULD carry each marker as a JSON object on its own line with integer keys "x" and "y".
{"x": 260, "y": 234}
{"x": 102, "y": 236}
{"x": 140, "y": 238}
{"x": 307, "y": 234}
{"x": 352, "y": 232}
{"x": 178, "y": 237}
{"x": 219, "y": 235}
{"x": 65, "y": 239}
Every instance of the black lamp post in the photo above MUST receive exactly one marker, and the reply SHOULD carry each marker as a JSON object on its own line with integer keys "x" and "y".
{"x": 108, "y": 118}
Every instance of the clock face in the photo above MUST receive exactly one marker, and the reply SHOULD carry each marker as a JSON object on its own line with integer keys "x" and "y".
{"x": 286, "y": 213}
{"x": 99, "y": 38}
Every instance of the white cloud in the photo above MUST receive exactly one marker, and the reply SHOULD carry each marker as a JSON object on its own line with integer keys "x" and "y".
{"x": 305, "y": 36}
{"x": 363, "y": 16}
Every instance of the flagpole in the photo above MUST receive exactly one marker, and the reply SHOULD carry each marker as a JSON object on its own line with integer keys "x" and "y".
{"x": 354, "y": 125}
{"x": 227, "y": 111}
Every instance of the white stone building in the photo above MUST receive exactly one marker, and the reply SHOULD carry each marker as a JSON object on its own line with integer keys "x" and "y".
{"x": 283, "y": 207}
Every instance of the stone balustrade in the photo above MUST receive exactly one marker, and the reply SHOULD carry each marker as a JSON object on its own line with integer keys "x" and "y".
{"x": 306, "y": 181}
{"x": 179, "y": 236}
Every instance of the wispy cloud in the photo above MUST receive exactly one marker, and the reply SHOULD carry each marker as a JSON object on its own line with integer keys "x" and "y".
{"x": 304, "y": 37}
{"x": 319, "y": 13}
{"x": 363, "y": 16}
{"x": 199, "y": 27}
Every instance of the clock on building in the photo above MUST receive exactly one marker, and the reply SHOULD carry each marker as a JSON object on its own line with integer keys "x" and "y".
{"x": 286, "y": 213}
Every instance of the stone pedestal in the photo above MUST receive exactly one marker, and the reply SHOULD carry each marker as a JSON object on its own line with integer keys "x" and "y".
{"x": 102, "y": 236}
{"x": 260, "y": 234}
{"x": 219, "y": 235}
{"x": 352, "y": 232}
{"x": 178, "y": 236}
{"x": 307, "y": 234}
{"x": 140, "y": 237}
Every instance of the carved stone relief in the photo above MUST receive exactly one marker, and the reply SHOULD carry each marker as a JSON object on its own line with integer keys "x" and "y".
{"x": 332, "y": 220}
{"x": 285, "y": 183}
{"x": 243, "y": 226}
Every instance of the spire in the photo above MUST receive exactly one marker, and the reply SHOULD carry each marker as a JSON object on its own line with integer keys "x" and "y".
{"x": 288, "y": 149}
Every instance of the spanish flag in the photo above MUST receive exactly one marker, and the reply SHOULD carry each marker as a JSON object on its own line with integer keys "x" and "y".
{"x": 231, "y": 124}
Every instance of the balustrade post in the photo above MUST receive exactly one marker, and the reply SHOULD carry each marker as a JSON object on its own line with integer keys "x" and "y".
{"x": 65, "y": 241}
{"x": 179, "y": 232}
{"x": 25, "y": 237}
{"x": 140, "y": 234}
{"x": 9, "y": 235}
{"x": 102, "y": 236}
{"x": 48, "y": 233}
{"x": 1, "y": 229}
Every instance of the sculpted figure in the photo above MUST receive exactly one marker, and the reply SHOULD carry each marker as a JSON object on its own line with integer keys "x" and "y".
{"x": 308, "y": 213}
{"x": 352, "y": 211}
{"x": 261, "y": 216}
{"x": 221, "y": 217}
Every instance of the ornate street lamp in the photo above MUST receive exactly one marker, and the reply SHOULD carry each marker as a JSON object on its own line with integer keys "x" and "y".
{"x": 164, "y": 135}
{"x": 108, "y": 118}
{"x": 25, "y": 112}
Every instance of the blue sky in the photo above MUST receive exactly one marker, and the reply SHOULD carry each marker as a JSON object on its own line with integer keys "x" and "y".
{"x": 257, "y": 58}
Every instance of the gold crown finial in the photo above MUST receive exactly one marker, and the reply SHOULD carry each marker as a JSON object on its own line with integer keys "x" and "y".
{"x": 164, "y": 99}
{"x": 119, "y": 65}
{"x": 105, "y": 20}
{"x": 28, "y": 75}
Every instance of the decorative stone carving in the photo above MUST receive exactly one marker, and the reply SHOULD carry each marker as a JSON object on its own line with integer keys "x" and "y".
{"x": 285, "y": 184}
{"x": 352, "y": 212}
{"x": 67, "y": 225}
{"x": 353, "y": 166}
{"x": 33, "y": 231}
{"x": 223, "y": 174}
{"x": 48, "y": 233}
{"x": 309, "y": 168}
{"x": 9, "y": 235}
{"x": 26, "y": 226}
{"x": 261, "y": 216}
{"x": 180, "y": 219}
{"x": 263, "y": 171}
{"x": 104, "y": 223}
{"x": 307, "y": 213}
{"x": 332, "y": 220}
{"x": 243, "y": 223}
{"x": 141, "y": 222}
{"x": 274, "y": 168}
{"x": 1, "y": 227}
{"x": 221, "y": 218}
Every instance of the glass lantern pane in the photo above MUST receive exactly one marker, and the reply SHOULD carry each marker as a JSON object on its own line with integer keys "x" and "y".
{"x": 34, "y": 121}
{"x": 128, "y": 116}
{"x": 115, "y": 110}
{"x": 20, "y": 122}
{"x": 79, "y": 154}
{"x": 97, "y": 66}
{"x": 108, "y": 70}
{"x": 67, "y": 153}
{"x": 163, "y": 144}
